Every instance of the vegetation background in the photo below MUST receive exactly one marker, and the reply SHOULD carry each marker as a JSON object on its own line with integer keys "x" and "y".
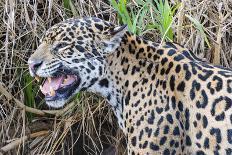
{"x": 87, "y": 125}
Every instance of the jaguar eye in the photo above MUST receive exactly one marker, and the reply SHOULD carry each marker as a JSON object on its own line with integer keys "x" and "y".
{"x": 60, "y": 45}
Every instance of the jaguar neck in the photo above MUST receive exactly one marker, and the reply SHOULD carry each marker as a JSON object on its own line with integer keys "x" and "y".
{"x": 125, "y": 63}
{"x": 107, "y": 88}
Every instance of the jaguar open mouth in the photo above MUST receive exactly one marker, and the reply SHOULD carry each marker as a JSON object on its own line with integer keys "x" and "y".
{"x": 59, "y": 88}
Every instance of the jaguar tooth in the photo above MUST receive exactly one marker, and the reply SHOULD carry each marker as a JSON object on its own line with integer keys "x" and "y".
{"x": 41, "y": 88}
{"x": 65, "y": 81}
{"x": 52, "y": 92}
{"x": 49, "y": 79}
{"x": 37, "y": 78}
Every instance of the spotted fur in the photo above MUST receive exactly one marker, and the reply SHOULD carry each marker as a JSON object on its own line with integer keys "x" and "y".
{"x": 167, "y": 100}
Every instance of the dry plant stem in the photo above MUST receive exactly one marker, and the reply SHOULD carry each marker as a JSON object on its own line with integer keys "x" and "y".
{"x": 9, "y": 96}
{"x": 58, "y": 113}
{"x": 180, "y": 22}
{"x": 216, "y": 57}
{"x": 217, "y": 51}
{"x": 19, "y": 141}
{"x": 67, "y": 125}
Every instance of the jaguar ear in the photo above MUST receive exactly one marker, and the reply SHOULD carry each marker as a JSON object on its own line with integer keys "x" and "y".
{"x": 112, "y": 42}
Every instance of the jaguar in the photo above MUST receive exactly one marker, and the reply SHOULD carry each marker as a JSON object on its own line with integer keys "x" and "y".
{"x": 166, "y": 99}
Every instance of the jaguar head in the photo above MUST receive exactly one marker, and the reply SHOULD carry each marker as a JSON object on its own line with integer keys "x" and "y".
{"x": 71, "y": 57}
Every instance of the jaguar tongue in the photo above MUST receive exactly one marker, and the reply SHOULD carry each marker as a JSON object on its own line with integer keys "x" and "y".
{"x": 51, "y": 84}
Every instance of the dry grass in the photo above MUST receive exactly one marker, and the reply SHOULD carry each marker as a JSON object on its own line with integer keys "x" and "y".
{"x": 27, "y": 126}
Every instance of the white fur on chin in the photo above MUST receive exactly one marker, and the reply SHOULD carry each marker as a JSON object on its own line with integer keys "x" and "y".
{"x": 56, "y": 104}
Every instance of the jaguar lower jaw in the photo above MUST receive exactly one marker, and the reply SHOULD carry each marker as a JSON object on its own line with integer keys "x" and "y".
{"x": 62, "y": 96}
{"x": 58, "y": 91}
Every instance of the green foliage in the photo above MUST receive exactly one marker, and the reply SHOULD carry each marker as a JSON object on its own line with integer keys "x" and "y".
{"x": 163, "y": 15}
{"x": 120, "y": 7}
{"x": 139, "y": 17}
{"x": 200, "y": 28}
{"x": 29, "y": 92}
{"x": 147, "y": 15}
{"x": 70, "y": 8}
{"x": 77, "y": 97}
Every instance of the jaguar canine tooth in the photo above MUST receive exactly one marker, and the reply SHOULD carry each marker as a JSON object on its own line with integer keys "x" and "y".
{"x": 52, "y": 91}
{"x": 37, "y": 78}
{"x": 65, "y": 81}
{"x": 41, "y": 88}
{"x": 49, "y": 79}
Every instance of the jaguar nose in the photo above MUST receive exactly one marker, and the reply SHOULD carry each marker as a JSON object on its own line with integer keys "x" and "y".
{"x": 34, "y": 65}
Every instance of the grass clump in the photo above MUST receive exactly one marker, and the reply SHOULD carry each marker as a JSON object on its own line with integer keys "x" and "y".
{"x": 200, "y": 28}
{"x": 29, "y": 92}
{"x": 148, "y": 15}
{"x": 164, "y": 16}
{"x": 70, "y": 8}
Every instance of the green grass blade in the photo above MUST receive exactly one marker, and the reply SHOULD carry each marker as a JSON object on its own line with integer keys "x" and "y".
{"x": 29, "y": 93}
{"x": 200, "y": 28}
{"x": 139, "y": 19}
{"x": 164, "y": 18}
{"x": 69, "y": 8}
{"x": 121, "y": 8}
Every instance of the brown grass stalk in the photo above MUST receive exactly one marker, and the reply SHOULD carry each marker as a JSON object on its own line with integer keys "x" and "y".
{"x": 180, "y": 22}
{"x": 21, "y": 140}
{"x": 9, "y": 96}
